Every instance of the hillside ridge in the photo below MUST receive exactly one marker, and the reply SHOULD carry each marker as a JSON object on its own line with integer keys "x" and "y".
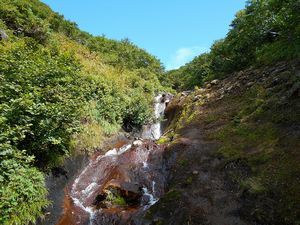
{"x": 232, "y": 151}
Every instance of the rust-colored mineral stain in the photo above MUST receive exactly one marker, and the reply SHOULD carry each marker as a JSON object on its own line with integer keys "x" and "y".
{"x": 120, "y": 144}
{"x": 71, "y": 213}
{"x": 67, "y": 218}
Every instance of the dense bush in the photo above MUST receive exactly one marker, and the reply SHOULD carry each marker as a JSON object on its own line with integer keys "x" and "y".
{"x": 56, "y": 88}
{"x": 22, "y": 190}
{"x": 264, "y": 32}
{"x": 19, "y": 16}
{"x": 124, "y": 54}
{"x": 60, "y": 89}
{"x": 39, "y": 97}
{"x": 33, "y": 18}
{"x": 191, "y": 75}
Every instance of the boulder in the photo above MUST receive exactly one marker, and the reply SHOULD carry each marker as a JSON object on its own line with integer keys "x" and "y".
{"x": 129, "y": 193}
{"x": 3, "y": 35}
{"x": 185, "y": 93}
{"x": 208, "y": 86}
{"x": 195, "y": 172}
{"x": 166, "y": 97}
{"x": 197, "y": 98}
{"x": 214, "y": 82}
{"x": 201, "y": 90}
{"x": 249, "y": 84}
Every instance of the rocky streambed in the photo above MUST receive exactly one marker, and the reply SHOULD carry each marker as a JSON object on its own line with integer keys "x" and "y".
{"x": 119, "y": 186}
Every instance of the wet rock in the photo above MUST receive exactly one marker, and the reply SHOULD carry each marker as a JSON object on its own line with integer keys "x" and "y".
{"x": 145, "y": 199}
{"x": 99, "y": 201}
{"x": 221, "y": 97}
{"x": 166, "y": 97}
{"x": 117, "y": 193}
{"x": 3, "y": 35}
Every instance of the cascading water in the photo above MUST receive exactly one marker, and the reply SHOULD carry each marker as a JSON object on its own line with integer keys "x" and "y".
{"x": 153, "y": 131}
{"x": 116, "y": 188}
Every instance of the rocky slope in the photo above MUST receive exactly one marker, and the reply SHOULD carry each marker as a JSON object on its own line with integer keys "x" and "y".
{"x": 233, "y": 151}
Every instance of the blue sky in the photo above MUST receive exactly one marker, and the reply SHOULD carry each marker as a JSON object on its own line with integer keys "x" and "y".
{"x": 173, "y": 30}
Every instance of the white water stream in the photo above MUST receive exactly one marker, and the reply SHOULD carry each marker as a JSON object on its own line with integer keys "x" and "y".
{"x": 153, "y": 132}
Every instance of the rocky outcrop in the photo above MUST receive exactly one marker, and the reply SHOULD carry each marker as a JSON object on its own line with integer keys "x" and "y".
{"x": 231, "y": 151}
{"x": 117, "y": 193}
{"x": 3, "y": 35}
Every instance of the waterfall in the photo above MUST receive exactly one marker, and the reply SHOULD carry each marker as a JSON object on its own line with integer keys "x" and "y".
{"x": 153, "y": 132}
{"x": 135, "y": 166}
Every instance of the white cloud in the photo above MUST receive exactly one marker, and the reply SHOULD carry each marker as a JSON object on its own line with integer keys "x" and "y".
{"x": 184, "y": 55}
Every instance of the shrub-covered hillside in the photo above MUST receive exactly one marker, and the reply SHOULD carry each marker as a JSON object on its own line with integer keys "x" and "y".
{"x": 61, "y": 89}
{"x": 266, "y": 31}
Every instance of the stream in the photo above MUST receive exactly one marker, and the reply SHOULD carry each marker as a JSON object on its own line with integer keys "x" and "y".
{"x": 119, "y": 186}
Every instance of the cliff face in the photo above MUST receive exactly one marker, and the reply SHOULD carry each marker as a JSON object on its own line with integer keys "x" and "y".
{"x": 233, "y": 151}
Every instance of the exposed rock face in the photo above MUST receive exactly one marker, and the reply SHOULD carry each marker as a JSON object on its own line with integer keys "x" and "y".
{"x": 3, "y": 35}
{"x": 117, "y": 188}
{"x": 203, "y": 184}
{"x": 117, "y": 193}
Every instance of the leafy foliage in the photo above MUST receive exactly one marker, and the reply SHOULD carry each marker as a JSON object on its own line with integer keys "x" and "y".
{"x": 39, "y": 98}
{"x": 191, "y": 75}
{"x": 22, "y": 190}
{"x": 124, "y": 54}
{"x": 266, "y": 31}
{"x": 60, "y": 87}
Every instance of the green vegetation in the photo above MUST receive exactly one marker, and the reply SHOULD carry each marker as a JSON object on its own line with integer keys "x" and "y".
{"x": 191, "y": 75}
{"x": 22, "y": 190}
{"x": 64, "y": 90}
{"x": 266, "y": 31}
{"x": 61, "y": 90}
{"x": 163, "y": 140}
{"x": 114, "y": 198}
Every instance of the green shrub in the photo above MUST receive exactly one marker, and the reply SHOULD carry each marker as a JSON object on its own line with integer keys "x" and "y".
{"x": 266, "y": 31}
{"x": 40, "y": 99}
{"x": 61, "y": 88}
{"x": 22, "y": 190}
